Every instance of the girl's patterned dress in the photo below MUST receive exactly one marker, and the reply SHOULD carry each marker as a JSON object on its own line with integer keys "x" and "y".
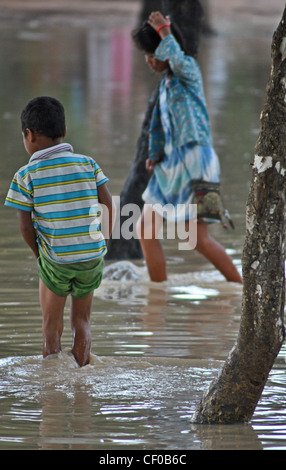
{"x": 180, "y": 136}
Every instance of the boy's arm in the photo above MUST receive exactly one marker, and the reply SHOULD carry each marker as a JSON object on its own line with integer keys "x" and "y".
{"x": 108, "y": 217}
{"x": 28, "y": 232}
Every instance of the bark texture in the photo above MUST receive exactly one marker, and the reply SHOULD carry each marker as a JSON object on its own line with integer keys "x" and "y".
{"x": 233, "y": 396}
{"x": 135, "y": 184}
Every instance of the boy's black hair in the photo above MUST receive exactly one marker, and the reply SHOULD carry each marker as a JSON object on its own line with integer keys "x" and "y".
{"x": 147, "y": 39}
{"x": 44, "y": 116}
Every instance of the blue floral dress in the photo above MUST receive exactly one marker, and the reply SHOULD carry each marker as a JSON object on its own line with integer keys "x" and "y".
{"x": 180, "y": 136}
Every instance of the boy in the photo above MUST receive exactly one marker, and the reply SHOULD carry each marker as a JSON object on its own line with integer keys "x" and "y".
{"x": 56, "y": 195}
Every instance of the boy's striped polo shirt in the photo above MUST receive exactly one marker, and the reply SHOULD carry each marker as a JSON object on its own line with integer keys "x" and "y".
{"x": 59, "y": 187}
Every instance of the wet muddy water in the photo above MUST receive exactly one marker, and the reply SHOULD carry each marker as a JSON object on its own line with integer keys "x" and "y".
{"x": 155, "y": 348}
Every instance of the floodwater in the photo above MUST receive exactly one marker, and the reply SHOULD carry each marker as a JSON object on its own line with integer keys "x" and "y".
{"x": 155, "y": 348}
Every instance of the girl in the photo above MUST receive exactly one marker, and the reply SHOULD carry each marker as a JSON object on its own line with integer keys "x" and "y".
{"x": 180, "y": 146}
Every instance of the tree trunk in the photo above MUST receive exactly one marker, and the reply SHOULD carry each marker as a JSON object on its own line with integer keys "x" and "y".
{"x": 120, "y": 248}
{"x": 233, "y": 396}
{"x": 187, "y": 15}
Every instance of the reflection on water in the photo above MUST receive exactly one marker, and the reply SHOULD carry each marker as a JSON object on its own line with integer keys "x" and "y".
{"x": 155, "y": 348}
{"x": 114, "y": 402}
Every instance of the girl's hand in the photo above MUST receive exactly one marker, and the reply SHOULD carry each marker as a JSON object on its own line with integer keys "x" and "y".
{"x": 160, "y": 23}
{"x": 150, "y": 164}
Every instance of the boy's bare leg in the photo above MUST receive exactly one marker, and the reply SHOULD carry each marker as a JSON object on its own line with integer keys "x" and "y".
{"x": 52, "y": 309}
{"x": 80, "y": 324}
{"x": 147, "y": 229}
{"x": 216, "y": 254}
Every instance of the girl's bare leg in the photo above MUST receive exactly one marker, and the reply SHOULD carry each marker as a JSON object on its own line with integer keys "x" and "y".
{"x": 216, "y": 254}
{"x": 80, "y": 324}
{"x": 148, "y": 228}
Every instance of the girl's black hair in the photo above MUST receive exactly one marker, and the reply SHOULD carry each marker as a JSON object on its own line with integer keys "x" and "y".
{"x": 147, "y": 39}
{"x": 45, "y": 116}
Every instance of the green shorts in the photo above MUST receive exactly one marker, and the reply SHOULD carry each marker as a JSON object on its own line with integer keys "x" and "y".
{"x": 77, "y": 279}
